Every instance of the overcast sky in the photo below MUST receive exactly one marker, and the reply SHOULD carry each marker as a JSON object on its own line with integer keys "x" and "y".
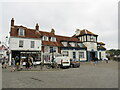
{"x": 98, "y": 16}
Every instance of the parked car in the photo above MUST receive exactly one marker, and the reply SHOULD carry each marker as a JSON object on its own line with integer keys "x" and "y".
{"x": 63, "y": 62}
{"x": 74, "y": 63}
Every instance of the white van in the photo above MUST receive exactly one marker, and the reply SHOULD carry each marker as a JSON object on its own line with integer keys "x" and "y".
{"x": 63, "y": 61}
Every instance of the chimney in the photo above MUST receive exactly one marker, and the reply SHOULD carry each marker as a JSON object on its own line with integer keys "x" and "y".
{"x": 12, "y": 22}
{"x": 77, "y": 32}
{"x": 52, "y": 31}
{"x": 37, "y": 27}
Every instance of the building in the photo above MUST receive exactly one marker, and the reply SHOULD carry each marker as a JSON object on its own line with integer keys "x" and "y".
{"x": 3, "y": 51}
{"x": 24, "y": 42}
{"x": 44, "y": 46}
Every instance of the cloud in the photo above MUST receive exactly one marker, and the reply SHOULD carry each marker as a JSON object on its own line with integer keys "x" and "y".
{"x": 99, "y": 17}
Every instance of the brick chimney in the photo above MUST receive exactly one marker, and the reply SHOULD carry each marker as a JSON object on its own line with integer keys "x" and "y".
{"x": 37, "y": 27}
{"x": 12, "y": 22}
{"x": 52, "y": 31}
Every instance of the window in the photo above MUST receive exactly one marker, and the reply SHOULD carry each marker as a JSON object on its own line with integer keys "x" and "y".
{"x": 21, "y": 43}
{"x": 46, "y": 49}
{"x": 65, "y": 53}
{"x": 92, "y": 38}
{"x": 32, "y": 44}
{"x": 53, "y": 39}
{"x": 80, "y": 44}
{"x": 81, "y": 54}
{"x": 88, "y": 38}
{"x": 74, "y": 55}
{"x": 21, "y": 32}
{"x": 52, "y": 49}
{"x": 64, "y": 43}
{"x": 84, "y": 38}
{"x": 73, "y": 44}
{"x": 45, "y": 38}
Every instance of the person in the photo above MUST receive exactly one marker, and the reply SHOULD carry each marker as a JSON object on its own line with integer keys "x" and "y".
{"x": 102, "y": 59}
{"x": 21, "y": 64}
{"x": 31, "y": 59}
{"x": 17, "y": 62}
{"x": 27, "y": 63}
{"x": 13, "y": 65}
{"x": 106, "y": 60}
{"x": 4, "y": 63}
{"x": 95, "y": 60}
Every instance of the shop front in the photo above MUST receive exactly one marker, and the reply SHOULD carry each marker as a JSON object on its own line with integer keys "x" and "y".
{"x": 23, "y": 55}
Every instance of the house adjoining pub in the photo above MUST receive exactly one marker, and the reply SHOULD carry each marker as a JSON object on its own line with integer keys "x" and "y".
{"x": 43, "y": 46}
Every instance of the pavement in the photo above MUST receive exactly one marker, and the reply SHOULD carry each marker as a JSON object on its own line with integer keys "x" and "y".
{"x": 101, "y": 75}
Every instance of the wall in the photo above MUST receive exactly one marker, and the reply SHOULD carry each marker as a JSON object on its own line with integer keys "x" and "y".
{"x": 70, "y": 54}
{"x": 90, "y": 46}
{"x": 14, "y": 44}
{"x": 103, "y": 54}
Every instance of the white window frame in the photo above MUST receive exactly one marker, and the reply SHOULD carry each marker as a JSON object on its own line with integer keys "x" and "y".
{"x": 53, "y": 39}
{"x": 21, "y": 43}
{"x": 65, "y": 53}
{"x": 81, "y": 55}
{"x": 32, "y": 44}
{"x": 45, "y": 38}
{"x": 46, "y": 49}
{"x": 65, "y": 43}
{"x": 21, "y": 32}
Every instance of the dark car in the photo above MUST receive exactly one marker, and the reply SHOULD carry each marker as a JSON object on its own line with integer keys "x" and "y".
{"x": 74, "y": 63}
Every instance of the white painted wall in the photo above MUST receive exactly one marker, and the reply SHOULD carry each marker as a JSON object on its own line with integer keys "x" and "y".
{"x": 70, "y": 54}
{"x": 85, "y": 57}
{"x": 103, "y": 54}
{"x": 90, "y": 46}
{"x": 47, "y": 49}
{"x": 14, "y": 44}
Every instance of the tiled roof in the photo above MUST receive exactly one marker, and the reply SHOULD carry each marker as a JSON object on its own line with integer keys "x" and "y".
{"x": 31, "y": 33}
{"x": 85, "y": 32}
{"x": 101, "y": 48}
{"x": 48, "y": 43}
{"x": 101, "y": 43}
{"x": 64, "y": 38}
{"x": 43, "y": 33}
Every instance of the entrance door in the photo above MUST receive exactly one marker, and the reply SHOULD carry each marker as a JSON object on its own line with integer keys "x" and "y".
{"x": 100, "y": 56}
{"x": 92, "y": 55}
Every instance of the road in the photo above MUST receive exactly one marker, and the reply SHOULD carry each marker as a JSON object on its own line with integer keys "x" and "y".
{"x": 103, "y": 75}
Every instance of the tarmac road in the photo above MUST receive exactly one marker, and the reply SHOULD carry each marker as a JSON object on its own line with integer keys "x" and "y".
{"x": 103, "y": 75}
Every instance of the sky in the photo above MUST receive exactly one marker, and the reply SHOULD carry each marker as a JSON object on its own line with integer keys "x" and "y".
{"x": 65, "y": 16}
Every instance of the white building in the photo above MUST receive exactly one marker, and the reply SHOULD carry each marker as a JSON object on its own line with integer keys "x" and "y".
{"x": 83, "y": 45}
{"x": 24, "y": 42}
{"x": 3, "y": 51}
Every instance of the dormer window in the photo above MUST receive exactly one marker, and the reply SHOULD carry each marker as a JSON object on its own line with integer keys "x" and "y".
{"x": 45, "y": 38}
{"x": 53, "y": 39}
{"x": 21, "y": 32}
{"x": 64, "y": 43}
{"x": 80, "y": 44}
{"x": 73, "y": 44}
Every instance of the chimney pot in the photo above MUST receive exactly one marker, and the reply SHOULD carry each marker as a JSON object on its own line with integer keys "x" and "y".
{"x": 12, "y": 22}
{"x": 52, "y": 31}
{"x": 37, "y": 26}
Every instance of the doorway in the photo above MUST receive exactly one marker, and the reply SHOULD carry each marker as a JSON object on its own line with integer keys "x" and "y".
{"x": 92, "y": 56}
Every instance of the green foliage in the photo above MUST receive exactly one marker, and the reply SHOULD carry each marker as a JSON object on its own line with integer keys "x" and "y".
{"x": 113, "y": 52}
